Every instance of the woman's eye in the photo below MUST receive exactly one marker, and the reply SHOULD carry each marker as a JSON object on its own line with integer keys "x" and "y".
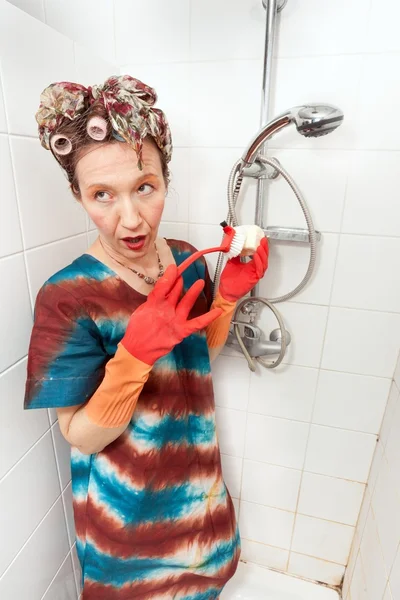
{"x": 145, "y": 188}
{"x": 102, "y": 196}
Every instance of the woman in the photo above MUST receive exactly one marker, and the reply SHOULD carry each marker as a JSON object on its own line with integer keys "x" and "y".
{"x": 121, "y": 346}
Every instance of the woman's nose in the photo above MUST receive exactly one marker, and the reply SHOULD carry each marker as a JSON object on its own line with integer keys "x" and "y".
{"x": 130, "y": 215}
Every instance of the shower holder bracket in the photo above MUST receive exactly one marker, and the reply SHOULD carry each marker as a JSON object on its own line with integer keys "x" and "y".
{"x": 260, "y": 170}
{"x": 290, "y": 234}
{"x": 281, "y": 5}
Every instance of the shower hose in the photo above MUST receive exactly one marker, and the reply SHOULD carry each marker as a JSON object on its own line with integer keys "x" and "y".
{"x": 234, "y": 184}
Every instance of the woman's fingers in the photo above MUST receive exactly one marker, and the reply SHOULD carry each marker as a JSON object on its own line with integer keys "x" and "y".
{"x": 186, "y": 304}
{"x": 176, "y": 291}
{"x": 262, "y": 252}
{"x": 165, "y": 284}
{"x": 201, "y": 322}
{"x": 258, "y": 264}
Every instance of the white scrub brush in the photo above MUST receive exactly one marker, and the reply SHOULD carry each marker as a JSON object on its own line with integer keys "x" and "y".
{"x": 238, "y": 241}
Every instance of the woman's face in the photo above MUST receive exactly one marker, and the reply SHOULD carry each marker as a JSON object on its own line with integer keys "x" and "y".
{"x": 123, "y": 202}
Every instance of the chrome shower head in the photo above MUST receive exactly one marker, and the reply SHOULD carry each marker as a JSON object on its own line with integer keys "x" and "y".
{"x": 311, "y": 120}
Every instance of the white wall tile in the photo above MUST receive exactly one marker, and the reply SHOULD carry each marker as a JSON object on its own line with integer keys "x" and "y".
{"x": 238, "y": 122}
{"x": 386, "y": 507}
{"x": 32, "y": 7}
{"x": 171, "y": 83}
{"x": 381, "y": 31}
{"x": 15, "y": 313}
{"x": 377, "y": 88}
{"x": 392, "y": 449}
{"x": 63, "y": 455}
{"x": 321, "y": 79}
{"x": 305, "y": 29}
{"x": 313, "y": 568}
{"x": 242, "y": 25}
{"x": 375, "y": 470}
{"x": 277, "y": 441}
{"x": 330, "y": 498}
{"x": 261, "y": 554}
{"x": 231, "y": 429}
{"x": 10, "y": 232}
{"x": 372, "y": 559}
{"x": 393, "y": 403}
{"x": 311, "y": 536}
{"x": 288, "y": 263}
{"x": 388, "y": 594}
{"x": 19, "y": 428}
{"x": 354, "y": 342}
{"x": 364, "y": 273}
{"x": 177, "y": 201}
{"x": 266, "y": 525}
{"x": 358, "y": 587}
{"x": 232, "y": 470}
{"x": 44, "y": 261}
{"x": 3, "y": 120}
{"x": 350, "y": 401}
{"x": 48, "y": 212}
{"x": 177, "y": 231}
{"x": 340, "y": 453}
{"x": 63, "y": 585}
{"x": 273, "y": 486}
{"x": 395, "y": 577}
{"x": 38, "y": 568}
{"x": 37, "y": 471}
{"x": 372, "y": 175}
{"x": 397, "y": 374}
{"x": 288, "y": 394}
{"x": 231, "y": 379}
{"x": 27, "y": 73}
{"x": 209, "y": 172}
{"x": 168, "y": 24}
{"x": 306, "y": 323}
{"x": 90, "y": 68}
{"x": 94, "y": 27}
{"x": 321, "y": 176}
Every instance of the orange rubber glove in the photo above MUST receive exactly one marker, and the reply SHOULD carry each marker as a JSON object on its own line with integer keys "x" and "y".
{"x": 154, "y": 329}
{"x": 237, "y": 279}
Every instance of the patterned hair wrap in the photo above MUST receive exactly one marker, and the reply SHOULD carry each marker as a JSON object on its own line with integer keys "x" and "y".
{"x": 129, "y": 105}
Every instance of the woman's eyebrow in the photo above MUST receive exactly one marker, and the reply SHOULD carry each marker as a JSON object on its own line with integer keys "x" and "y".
{"x": 145, "y": 177}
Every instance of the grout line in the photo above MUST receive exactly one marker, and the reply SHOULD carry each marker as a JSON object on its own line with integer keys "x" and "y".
{"x": 115, "y": 60}
{"x": 292, "y": 512}
{"x": 276, "y": 57}
{"x": 29, "y": 538}
{"x": 318, "y": 378}
{"x": 281, "y": 466}
{"x": 15, "y": 465}
{"x": 54, "y": 242}
{"x": 286, "y": 550}
{"x": 15, "y": 364}
{"x": 44, "y": 11}
{"x": 293, "y": 420}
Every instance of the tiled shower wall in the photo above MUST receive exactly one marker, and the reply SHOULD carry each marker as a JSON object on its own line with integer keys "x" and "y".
{"x": 374, "y": 566}
{"x": 41, "y": 229}
{"x": 297, "y": 442}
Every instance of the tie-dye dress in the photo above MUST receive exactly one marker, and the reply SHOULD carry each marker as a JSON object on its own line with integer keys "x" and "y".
{"x": 153, "y": 516}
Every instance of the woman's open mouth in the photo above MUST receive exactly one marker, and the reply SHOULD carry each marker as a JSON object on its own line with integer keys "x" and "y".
{"x": 135, "y": 243}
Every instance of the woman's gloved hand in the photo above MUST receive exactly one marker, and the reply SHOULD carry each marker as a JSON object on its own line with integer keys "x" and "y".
{"x": 237, "y": 278}
{"x": 162, "y": 321}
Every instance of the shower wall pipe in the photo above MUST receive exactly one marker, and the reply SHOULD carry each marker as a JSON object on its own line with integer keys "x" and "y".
{"x": 272, "y": 7}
